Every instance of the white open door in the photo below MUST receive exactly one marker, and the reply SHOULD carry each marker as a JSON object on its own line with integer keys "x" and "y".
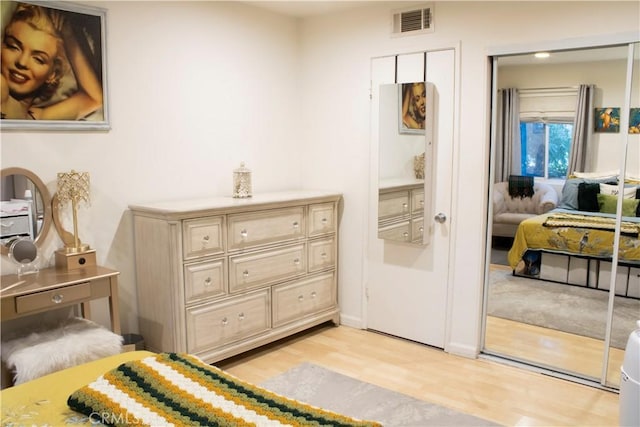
{"x": 407, "y": 284}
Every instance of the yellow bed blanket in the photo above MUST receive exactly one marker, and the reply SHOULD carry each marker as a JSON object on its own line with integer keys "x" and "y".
{"x": 575, "y": 234}
{"x": 165, "y": 389}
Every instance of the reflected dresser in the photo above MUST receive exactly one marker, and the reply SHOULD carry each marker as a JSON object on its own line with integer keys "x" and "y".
{"x": 221, "y": 276}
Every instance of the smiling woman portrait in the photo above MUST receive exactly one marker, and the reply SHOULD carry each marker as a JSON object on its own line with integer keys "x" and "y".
{"x": 51, "y": 65}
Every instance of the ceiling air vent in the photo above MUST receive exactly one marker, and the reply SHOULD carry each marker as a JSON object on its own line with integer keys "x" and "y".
{"x": 413, "y": 21}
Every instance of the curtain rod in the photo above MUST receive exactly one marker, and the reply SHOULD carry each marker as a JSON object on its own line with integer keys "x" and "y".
{"x": 549, "y": 88}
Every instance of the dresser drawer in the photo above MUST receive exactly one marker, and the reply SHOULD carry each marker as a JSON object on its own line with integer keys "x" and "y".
{"x": 400, "y": 231}
{"x": 216, "y": 324}
{"x": 55, "y": 297}
{"x": 205, "y": 279}
{"x": 322, "y": 254}
{"x": 417, "y": 201}
{"x": 266, "y": 267}
{"x": 264, "y": 227}
{"x": 203, "y": 237}
{"x": 322, "y": 219}
{"x": 298, "y": 299}
{"x": 14, "y": 225}
{"x": 417, "y": 229}
{"x": 394, "y": 204}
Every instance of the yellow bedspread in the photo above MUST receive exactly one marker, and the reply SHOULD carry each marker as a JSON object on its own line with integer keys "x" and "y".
{"x": 591, "y": 242}
{"x": 44, "y": 401}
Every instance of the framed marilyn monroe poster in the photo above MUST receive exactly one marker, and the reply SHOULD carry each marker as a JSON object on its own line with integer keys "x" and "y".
{"x": 53, "y": 67}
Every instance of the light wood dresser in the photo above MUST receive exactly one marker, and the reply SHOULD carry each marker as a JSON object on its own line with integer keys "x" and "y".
{"x": 221, "y": 276}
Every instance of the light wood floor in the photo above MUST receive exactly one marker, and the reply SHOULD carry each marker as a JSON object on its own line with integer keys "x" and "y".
{"x": 494, "y": 391}
{"x": 571, "y": 353}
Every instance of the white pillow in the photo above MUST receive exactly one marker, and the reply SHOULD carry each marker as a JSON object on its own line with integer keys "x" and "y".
{"x": 596, "y": 175}
{"x": 629, "y": 192}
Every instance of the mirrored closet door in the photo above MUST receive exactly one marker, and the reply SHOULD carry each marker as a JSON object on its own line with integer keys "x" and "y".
{"x": 562, "y": 288}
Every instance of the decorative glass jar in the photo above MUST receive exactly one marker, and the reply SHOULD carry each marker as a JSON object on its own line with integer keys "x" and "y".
{"x": 241, "y": 182}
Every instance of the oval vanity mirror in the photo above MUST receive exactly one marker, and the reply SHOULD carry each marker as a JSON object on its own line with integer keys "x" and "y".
{"x": 25, "y": 208}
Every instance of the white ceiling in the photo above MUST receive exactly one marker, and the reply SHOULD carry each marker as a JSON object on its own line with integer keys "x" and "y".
{"x": 305, "y": 8}
{"x": 578, "y": 55}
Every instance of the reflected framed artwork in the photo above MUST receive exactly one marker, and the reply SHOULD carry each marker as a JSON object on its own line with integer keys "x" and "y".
{"x": 634, "y": 120}
{"x": 413, "y": 108}
{"x": 53, "y": 71}
{"x": 607, "y": 120}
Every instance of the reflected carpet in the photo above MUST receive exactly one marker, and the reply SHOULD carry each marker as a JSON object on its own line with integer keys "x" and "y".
{"x": 330, "y": 390}
{"x": 574, "y": 309}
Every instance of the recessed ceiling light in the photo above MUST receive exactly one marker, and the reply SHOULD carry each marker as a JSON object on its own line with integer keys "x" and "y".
{"x": 541, "y": 55}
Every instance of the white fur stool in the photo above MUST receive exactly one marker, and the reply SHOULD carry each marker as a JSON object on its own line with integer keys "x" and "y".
{"x": 72, "y": 342}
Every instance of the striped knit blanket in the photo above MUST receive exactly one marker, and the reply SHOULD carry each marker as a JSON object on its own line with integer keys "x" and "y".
{"x": 181, "y": 390}
{"x": 593, "y": 222}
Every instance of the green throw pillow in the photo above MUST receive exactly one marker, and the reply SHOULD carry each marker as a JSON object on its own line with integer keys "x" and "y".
{"x": 609, "y": 204}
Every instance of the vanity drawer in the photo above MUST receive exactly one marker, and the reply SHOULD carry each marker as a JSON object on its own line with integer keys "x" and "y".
{"x": 205, "y": 279}
{"x": 417, "y": 201}
{"x": 264, "y": 227}
{"x": 394, "y": 204}
{"x": 298, "y": 299}
{"x": 322, "y": 219}
{"x": 322, "y": 254}
{"x": 262, "y": 268}
{"x": 14, "y": 225}
{"x": 218, "y": 323}
{"x": 203, "y": 237}
{"x": 55, "y": 297}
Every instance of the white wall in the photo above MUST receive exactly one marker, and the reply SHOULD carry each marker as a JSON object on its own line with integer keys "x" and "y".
{"x": 194, "y": 89}
{"x": 197, "y": 87}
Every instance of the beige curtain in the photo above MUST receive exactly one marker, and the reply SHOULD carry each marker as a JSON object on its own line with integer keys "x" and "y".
{"x": 582, "y": 129}
{"x": 508, "y": 135}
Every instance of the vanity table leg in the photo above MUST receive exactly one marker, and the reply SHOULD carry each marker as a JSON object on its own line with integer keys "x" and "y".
{"x": 85, "y": 310}
{"x": 113, "y": 305}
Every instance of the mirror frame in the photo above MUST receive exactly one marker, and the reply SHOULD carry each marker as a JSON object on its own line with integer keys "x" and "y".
{"x": 46, "y": 202}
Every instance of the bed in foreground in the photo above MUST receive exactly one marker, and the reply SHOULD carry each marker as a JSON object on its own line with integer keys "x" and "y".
{"x": 144, "y": 388}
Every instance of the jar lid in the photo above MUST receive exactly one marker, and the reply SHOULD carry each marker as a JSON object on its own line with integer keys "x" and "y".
{"x": 242, "y": 169}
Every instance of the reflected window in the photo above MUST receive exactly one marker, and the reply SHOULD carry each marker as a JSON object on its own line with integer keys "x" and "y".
{"x": 545, "y": 148}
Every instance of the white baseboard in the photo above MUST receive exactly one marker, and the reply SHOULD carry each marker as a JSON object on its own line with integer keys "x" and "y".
{"x": 463, "y": 350}
{"x": 351, "y": 321}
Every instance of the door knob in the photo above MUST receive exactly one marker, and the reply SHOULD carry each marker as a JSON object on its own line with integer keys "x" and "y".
{"x": 441, "y": 218}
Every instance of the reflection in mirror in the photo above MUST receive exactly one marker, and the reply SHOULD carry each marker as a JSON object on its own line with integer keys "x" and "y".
{"x": 25, "y": 207}
{"x": 559, "y": 295}
{"x": 405, "y": 169}
{"x": 23, "y": 252}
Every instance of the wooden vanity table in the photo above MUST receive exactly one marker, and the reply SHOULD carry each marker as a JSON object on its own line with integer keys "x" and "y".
{"x": 52, "y": 288}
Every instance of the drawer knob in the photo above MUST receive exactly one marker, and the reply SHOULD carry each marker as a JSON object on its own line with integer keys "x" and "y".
{"x": 296, "y": 224}
{"x": 323, "y": 255}
{"x": 313, "y": 294}
{"x": 405, "y": 206}
{"x": 207, "y": 281}
{"x": 421, "y": 229}
{"x": 57, "y": 298}
{"x": 405, "y": 235}
{"x": 296, "y": 261}
{"x": 244, "y": 233}
{"x": 324, "y": 220}
{"x": 421, "y": 202}
{"x": 301, "y": 298}
{"x": 241, "y": 316}
{"x": 224, "y": 321}
{"x": 245, "y": 274}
